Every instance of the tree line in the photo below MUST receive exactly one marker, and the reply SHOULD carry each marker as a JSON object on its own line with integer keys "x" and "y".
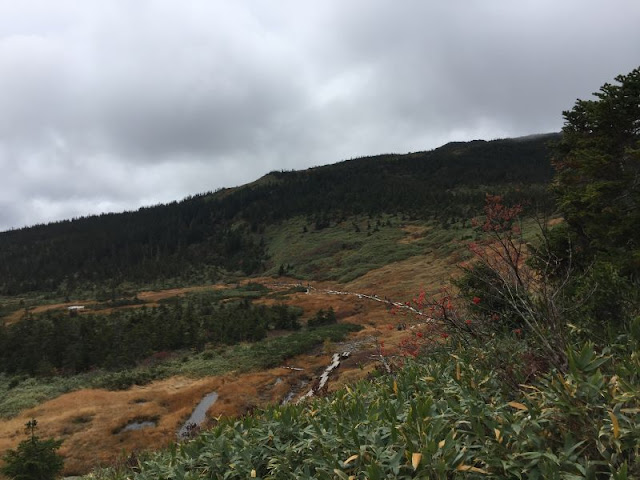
{"x": 59, "y": 342}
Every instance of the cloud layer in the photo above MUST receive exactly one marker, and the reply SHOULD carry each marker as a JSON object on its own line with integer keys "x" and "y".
{"x": 111, "y": 104}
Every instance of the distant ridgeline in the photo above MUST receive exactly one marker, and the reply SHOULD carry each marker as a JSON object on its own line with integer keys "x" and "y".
{"x": 212, "y": 233}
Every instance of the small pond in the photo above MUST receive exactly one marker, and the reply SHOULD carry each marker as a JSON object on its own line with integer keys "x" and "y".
{"x": 138, "y": 425}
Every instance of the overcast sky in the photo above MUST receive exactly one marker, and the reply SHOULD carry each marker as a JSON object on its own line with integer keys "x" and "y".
{"x": 107, "y": 105}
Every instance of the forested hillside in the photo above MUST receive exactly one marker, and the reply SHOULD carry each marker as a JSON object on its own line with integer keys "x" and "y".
{"x": 209, "y": 234}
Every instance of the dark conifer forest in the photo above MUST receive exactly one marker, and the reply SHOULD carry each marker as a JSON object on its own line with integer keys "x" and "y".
{"x": 218, "y": 232}
{"x": 60, "y": 343}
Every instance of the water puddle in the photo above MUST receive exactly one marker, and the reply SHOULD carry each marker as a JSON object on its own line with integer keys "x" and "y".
{"x": 137, "y": 423}
{"x": 138, "y": 426}
{"x": 199, "y": 415}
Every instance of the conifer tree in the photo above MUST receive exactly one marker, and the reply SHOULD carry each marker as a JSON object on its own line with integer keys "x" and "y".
{"x": 34, "y": 459}
{"x": 598, "y": 173}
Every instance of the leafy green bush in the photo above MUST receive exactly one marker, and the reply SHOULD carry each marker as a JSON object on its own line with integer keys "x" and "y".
{"x": 602, "y": 299}
{"x": 445, "y": 418}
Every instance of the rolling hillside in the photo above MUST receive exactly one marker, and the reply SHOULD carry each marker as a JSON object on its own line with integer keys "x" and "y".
{"x": 207, "y": 236}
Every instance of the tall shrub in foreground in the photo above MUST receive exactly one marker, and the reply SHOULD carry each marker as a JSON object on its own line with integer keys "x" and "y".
{"x": 508, "y": 286}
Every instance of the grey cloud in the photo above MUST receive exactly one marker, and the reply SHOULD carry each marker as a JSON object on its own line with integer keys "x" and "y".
{"x": 116, "y": 104}
{"x": 515, "y": 60}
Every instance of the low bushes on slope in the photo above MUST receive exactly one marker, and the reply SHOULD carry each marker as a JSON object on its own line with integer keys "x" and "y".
{"x": 444, "y": 418}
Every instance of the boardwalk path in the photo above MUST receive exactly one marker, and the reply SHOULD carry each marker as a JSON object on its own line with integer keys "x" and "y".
{"x": 335, "y": 361}
{"x": 375, "y": 298}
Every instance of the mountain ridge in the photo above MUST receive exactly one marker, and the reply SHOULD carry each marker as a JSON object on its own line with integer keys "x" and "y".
{"x": 217, "y": 232}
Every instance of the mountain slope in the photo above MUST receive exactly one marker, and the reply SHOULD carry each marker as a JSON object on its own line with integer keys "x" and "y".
{"x": 205, "y": 235}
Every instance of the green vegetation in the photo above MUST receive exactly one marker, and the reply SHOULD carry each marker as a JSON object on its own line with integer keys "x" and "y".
{"x": 18, "y": 393}
{"x": 598, "y": 171}
{"x": 531, "y": 370}
{"x": 7, "y": 306}
{"x": 331, "y": 253}
{"x": 61, "y": 343}
{"x": 323, "y": 318}
{"x": 348, "y": 249}
{"x": 34, "y": 459}
{"x": 445, "y": 418}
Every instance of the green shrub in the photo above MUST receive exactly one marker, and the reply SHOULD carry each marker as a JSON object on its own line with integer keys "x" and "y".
{"x": 446, "y": 418}
{"x": 323, "y": 318}
{"x": 34, "y": 459}
{"x": 124, "y": 379}
{"x": 602, "y": 298}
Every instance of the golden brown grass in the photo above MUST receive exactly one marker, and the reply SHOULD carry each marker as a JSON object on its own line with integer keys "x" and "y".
{"x": 87, "y": 419}
{"x": 90, "y": 421}
{"x": 401, "y": 281}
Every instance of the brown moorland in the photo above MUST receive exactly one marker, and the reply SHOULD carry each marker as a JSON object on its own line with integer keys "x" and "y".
{"x": 91, "y": 421}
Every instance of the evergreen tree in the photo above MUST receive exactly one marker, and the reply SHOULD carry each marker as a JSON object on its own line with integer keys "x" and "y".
{"x": 598, "y": 173}
{"x": 34, "y": 459}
